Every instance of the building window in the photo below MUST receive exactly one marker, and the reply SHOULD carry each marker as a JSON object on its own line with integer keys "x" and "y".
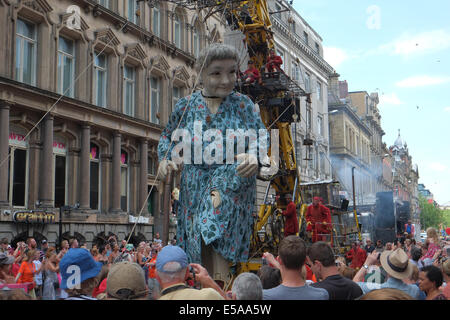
{"x": 129, "y": 74}
{"x": 17, "y": 173}
{"x": 95, "y": 177}
{"x": 176, "y": 95}
{"x": 176, "y": 31}
{"x": 100, "y": 68}
{"x": 277, "y": 9}
{"x": 151, "y": 166}
{"x": 26, "y": 52}
{"x": 60, "y": 181}
{"x": 295, "y": 72}
{"x": 66, "y": 66}
{"x": 307, "y": 82}
{"x": 292, "y": 26}
{"x": 305, "y": 37}
{"x": 155, "y": 97}
{"x": 195, "y": 43}
{"x": 317, "y": 48}
{"x": 319, "y": 91}
{"x": 124, "y": 181}
{"x": 320, "y": 126}
{"x": 104, "y": 3}
{"x": 156, "y": 21}
{"x": 132, "y": 7}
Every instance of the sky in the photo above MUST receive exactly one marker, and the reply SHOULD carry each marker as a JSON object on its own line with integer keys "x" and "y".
{"x": 400, "y": 49}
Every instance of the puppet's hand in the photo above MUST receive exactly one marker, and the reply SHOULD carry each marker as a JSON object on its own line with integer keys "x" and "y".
{"x": 248, "y": 165}
{"x": 215, "y": 198}
{"x": 166, "y": 166}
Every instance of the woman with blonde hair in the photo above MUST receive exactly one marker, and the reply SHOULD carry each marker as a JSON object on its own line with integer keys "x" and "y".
{"x": 433, "y": 244}
{"x": 49, "y": 275}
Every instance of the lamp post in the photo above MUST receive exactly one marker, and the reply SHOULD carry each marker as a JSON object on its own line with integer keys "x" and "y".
{"x": 63, "y": 209}
{"x": 354, "y": 203}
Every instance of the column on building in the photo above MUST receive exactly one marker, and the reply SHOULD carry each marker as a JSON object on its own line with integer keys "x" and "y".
{"x": 85, "y": 167}
{"x": 47, "y": 171}
{"x": 4, "y": 142}
{"x": 117, "y": 140}
{"x": 143, "y": 176}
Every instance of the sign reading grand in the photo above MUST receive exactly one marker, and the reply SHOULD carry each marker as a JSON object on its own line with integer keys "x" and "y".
{"x": 32, "y": 216}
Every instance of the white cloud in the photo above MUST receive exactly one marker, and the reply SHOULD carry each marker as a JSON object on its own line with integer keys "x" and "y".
{"x": 447, "y": 109}
{"x": 422, "y": 43}
{"x": 390, "y": 99}
{"x": 436, "y": 166}
{"x": 335, "y": 56}
{"x": 421, "y": 81}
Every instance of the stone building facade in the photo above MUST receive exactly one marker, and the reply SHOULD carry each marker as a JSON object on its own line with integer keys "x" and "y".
{"x": 350, "y": 139}
{"x": 86, "y": 87}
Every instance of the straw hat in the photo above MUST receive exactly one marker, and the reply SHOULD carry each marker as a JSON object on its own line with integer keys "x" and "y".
{"x": 396, "y": 263}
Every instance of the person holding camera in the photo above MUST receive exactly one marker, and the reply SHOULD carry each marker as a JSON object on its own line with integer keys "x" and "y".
{"x": 172, "y": 271}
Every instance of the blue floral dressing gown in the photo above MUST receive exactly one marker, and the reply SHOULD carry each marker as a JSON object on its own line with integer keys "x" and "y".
{"x": 228, "y": 227}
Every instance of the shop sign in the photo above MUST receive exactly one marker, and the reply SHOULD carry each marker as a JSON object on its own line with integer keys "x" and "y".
{"x": 34, "y": 216}
{"x": 17, "y": 139}
{"x": 133, "y": 219}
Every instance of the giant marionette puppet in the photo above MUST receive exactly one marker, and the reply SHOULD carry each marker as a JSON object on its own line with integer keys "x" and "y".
{"x": 216, "y": 203}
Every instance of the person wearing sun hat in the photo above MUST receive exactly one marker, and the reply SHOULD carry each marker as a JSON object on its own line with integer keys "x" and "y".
{"x": 397, "y": 266}
{"x": 78, "y": 274}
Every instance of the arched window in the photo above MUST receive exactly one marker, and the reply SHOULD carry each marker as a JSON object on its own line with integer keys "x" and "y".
{"x": 95, "y": 183}
{"x": 124, "y": 181}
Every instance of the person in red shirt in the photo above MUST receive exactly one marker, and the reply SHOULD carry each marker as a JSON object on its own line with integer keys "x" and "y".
{"x": 274, "y": 62}
{"x": 357, "y": 255}
{"x": 291, "y": 223}
{"x": 251, "y": 75}
{"x": 318, "y": 220}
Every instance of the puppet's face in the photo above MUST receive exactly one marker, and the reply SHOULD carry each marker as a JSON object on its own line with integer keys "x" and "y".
{"x": 219, "y": 78}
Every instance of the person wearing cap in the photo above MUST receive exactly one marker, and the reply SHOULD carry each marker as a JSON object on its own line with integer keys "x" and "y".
{"x": 5, "y": 268}
{"x": 79, "y": 273}
{"x": 318, "y": 220}
{"x": 172, "y": 271}
{"x": 126, "y": 281}
{"x": 291, "y": 222}
{"x": 397, "y": 267}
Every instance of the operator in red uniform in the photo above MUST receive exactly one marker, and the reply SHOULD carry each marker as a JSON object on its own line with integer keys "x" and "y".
{"x": 274, "y": 62}
{"x": 252, "y": 74}
{"x": 318, "y": 220}
{"x": 357, "y": 255}
{"x": 291, "y": 223}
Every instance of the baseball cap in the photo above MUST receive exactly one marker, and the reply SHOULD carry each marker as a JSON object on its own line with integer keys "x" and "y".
{"x": 126, "y": 281}
{"x": 171, "y": 253}
{"x": 5, "y": 259}
{"x": 81, "y": 261}
{"x": 44, "y": 241}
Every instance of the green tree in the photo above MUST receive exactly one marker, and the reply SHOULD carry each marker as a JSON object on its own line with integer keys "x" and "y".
{"x": 446, "y": 215}
{"x": 430, "y": 215}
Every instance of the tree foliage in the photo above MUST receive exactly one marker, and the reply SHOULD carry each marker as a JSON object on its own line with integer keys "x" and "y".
{"x": 430, "y": 215}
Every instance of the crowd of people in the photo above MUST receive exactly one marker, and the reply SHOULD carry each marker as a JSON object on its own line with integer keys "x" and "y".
{"x": 404, "y": 270}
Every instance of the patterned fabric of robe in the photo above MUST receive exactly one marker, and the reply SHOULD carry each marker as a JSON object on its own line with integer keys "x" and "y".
{"x": 228, "y": 227}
